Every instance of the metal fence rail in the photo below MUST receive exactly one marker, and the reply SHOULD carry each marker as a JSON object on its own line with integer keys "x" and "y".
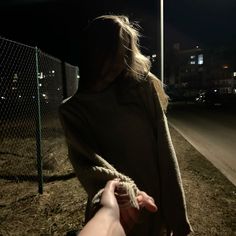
{"x": 32, "y": 85}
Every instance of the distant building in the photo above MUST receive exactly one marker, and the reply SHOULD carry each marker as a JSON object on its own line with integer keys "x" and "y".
{"x": 196, "y": 69}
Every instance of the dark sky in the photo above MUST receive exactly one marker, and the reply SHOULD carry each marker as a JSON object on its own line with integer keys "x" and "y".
{"x": 54, "y": 25}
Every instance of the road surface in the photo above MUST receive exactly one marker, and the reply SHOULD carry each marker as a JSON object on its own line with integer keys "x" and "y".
{"x": 212, "y": 131}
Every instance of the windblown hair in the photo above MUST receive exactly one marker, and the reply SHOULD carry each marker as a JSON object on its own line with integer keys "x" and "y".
{"x": 102, "y": 40}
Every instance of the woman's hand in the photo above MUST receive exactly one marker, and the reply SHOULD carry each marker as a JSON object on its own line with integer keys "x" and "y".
{"x": 129, "y": 216}
{"x": 147, "y": 202}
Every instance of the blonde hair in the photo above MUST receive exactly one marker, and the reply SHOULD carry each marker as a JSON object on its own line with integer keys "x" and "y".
{"x": 102, "y": 40}
{"x": 136, "y": 63}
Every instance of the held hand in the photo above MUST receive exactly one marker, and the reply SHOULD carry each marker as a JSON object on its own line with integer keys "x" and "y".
{"x": 147, "y": 202}
{"x": 129, "y": 215}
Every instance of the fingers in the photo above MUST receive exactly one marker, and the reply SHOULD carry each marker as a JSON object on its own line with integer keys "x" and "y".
{"x": 121, "y": 189}
{"x": 128, "y": 218}
{"x": 115, "y": 192}
{"x": 145, "y": 201}
{"x": 111, "y": 185}
{"x": 108, "y": 197}
{"x": 122, "y": 197}
{"x": 123, "y": 200}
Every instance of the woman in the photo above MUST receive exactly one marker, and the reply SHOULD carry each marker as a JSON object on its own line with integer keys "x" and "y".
{"x": 115, "y": 126}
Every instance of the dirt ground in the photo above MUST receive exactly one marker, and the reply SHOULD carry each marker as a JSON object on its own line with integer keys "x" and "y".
{"x": 211, "y": 198}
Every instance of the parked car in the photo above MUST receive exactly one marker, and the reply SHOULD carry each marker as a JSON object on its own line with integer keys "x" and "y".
{"x": 213, "y": 97}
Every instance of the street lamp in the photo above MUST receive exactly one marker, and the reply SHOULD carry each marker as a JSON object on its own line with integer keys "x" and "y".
{"x": 162, "y": 39}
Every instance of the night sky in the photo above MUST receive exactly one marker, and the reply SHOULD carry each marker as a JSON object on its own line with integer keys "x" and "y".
{"x": 54, "y": 25}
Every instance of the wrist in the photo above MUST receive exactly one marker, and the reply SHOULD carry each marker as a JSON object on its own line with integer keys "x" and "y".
{"x": 108, "y": 214}
{"x": 110, "y": 222}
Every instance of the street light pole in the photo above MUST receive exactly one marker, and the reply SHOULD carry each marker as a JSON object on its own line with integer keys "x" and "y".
{"x": 162, "y": 39}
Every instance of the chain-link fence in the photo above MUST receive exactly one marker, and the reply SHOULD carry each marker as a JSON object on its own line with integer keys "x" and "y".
{"x": 32, "y": 85}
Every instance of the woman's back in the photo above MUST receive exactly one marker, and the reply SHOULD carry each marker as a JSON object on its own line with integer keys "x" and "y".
{"x": 115, "y": 126}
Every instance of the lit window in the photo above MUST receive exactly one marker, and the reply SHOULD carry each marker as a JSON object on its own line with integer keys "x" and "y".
{"x": 234, "y": 74}
{"x": 40, "y": 75}
{"x": 192, "y": 62}
{"x": 200, "y": 59}
{"x": 192, "y": 57}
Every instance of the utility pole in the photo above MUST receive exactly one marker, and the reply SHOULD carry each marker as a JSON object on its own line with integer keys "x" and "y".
{"x": 162, "y": 39}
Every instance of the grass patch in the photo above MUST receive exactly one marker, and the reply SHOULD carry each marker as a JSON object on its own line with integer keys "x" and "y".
{"x": 210, "y": 197}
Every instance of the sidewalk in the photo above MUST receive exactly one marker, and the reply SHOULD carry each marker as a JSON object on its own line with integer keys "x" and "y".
{"x": 210, "y": 197}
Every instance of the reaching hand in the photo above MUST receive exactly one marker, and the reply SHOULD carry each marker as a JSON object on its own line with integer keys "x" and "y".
{"x": 108, "y": 200}
{"x": 106, "y": 222}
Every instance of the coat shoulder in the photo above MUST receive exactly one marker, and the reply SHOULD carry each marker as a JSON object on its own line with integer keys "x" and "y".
{"x": 158, "y": 90}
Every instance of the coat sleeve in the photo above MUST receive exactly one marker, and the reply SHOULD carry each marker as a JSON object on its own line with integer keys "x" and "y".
{"x": 172, "y": 193}
{"x": 91, "y": 169}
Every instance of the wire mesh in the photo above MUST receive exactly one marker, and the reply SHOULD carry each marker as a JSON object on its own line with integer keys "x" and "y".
{"x": 51, "y": 91}
{"x": 32, "y": 145}
{"x": 17, "y": 110}
{"x": 21, "y": 80}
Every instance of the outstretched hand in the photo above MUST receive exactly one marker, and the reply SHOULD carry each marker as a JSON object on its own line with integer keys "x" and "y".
{"x": 108, "y": 199}
{"x": 106, "y": 222}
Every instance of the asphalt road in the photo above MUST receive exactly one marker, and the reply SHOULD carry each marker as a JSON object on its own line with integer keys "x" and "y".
{"x": 212, "y": 131}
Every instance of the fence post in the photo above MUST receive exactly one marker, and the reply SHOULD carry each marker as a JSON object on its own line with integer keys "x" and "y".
{"x": 64, "y": 80}
{"x": 38, "y": 130}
